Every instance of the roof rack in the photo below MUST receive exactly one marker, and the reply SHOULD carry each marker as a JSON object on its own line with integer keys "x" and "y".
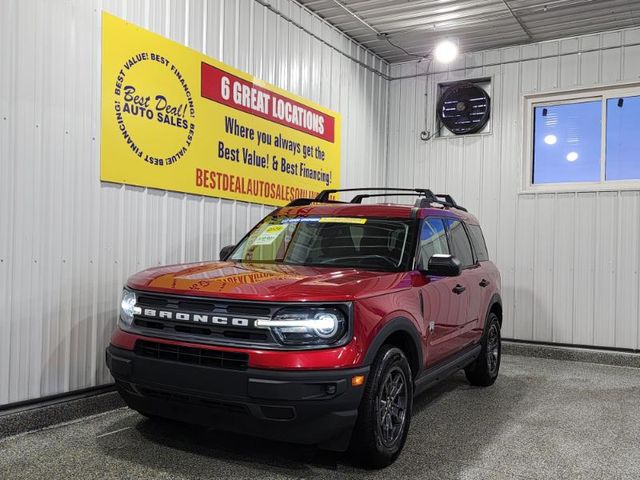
{"x": 448, "y": 201}
{"x": 362, "y": 196}
{"x": 323, "y": 196}
{"x": 427, "y": 196}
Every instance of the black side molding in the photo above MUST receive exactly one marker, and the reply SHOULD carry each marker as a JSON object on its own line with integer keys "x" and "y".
{"x": 446, "y": 368}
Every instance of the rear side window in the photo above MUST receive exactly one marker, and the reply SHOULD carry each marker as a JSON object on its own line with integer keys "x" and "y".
{"x": 479, "y": 245}
{"x": 460, "y": 243}
{"x": 433, "y": 239}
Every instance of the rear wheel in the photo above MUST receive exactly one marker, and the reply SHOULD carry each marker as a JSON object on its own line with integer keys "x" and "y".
{"x": 484, "y": 370}
{"x": 385, "y": 411}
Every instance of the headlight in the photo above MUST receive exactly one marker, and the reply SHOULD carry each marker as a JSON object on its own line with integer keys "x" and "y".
{"x": 128, "y": 307}
{"x": 306, "y": 326}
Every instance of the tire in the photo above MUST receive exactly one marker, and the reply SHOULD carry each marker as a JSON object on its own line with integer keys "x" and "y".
{"x": 484, "y": 370}
{"x": 383, "y": 423}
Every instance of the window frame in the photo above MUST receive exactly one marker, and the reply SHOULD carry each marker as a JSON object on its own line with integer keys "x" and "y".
{"x": 474, "y": 257}
{"x": 421, "y": 225}
{"x": 579, "y": 95}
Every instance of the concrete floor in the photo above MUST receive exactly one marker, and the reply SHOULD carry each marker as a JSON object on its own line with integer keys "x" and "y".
{"x": 542, "y": 419}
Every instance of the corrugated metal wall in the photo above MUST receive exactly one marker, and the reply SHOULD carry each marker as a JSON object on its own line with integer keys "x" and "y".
{"x": 569, "y": 260}
{"x": 68, "y": 242}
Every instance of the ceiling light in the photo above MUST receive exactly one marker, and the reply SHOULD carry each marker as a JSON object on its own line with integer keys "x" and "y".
{"x": 446, "y": 51}
{"x": 572, "y": 156}
{"x": 550, "y": 139}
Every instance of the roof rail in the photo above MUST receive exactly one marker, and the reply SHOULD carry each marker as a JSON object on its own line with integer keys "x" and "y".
{"x": 449, "y": 201}
{"x": 300, "y": 202}
{"x": 427, "y": 196}
{"x": 443, "y": 199}
{"x": 323, "y": 196}
{"x": 362, "y": 196}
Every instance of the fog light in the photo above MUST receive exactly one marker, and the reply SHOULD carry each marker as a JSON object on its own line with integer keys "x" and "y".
{"x": 357, "y": 380}
{"x": 331, "y": 389}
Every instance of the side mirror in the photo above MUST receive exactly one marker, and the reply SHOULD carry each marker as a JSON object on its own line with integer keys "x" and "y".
{"x": 444, "y": 266}
{"x": 226, "y": 251}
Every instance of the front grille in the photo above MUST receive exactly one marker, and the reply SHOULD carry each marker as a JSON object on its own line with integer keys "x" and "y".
{"x": 195, "y": 356}
{"x": 168, "y": 326}
{"x": 206, "y": 332}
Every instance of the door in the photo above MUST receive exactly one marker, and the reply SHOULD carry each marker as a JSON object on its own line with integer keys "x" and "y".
{"x": 484, "y": 277}
{"x": 444, "y": 299}
{"x": 467, "y": 282}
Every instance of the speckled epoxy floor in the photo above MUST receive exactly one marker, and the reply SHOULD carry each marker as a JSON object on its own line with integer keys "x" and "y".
{"x": 542, "y": 419}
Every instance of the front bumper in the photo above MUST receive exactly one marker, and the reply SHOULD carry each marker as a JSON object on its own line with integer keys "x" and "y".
{"x": 309, "y": 407}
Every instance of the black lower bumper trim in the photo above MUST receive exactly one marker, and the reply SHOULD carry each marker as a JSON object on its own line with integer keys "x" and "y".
{"x": 308, "y": 407}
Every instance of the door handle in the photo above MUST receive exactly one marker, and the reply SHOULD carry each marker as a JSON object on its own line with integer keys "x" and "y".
{"x": 458, "y": 289}
{"x": 484, "y": 283}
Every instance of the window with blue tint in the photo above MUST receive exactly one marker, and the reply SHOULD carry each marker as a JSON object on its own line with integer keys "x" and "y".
{"x": 433, "y": 240}
{"x": 623, "y": 142}
{"x": 567, "y": 141}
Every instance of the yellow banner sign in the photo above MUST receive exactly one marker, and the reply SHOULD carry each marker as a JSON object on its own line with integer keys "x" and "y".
{"x": 175, "y": 119}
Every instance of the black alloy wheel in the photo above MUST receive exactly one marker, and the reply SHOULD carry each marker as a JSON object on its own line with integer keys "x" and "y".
{"x": 391, "y": 407}
{"x": 493, "y": 349}
{"x": 484, "y": 370}
{"x": 384, "y": 415}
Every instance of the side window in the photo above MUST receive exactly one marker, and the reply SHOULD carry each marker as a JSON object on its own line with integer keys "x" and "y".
{"x": 477, "y": 240}
{"x": 433, "y": 239}
{"x": 460, "y": 243}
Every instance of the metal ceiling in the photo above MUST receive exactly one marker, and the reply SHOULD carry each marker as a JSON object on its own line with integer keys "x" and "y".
{"x": 414, "y": 26}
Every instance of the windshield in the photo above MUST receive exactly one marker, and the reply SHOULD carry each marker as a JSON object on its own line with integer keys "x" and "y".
{"x": 367, "y": 243}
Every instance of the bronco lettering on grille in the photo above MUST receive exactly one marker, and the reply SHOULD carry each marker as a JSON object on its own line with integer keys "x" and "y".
{"x": 197, "y": 318}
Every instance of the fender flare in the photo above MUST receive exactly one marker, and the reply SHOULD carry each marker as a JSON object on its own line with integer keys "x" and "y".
{"x": 397, "y": 324}
{"x": 495, "y": 300}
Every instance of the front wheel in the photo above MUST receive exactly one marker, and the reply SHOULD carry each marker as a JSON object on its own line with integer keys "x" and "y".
{"x": 484, "y": 370}
{"x": 385, "y": 411}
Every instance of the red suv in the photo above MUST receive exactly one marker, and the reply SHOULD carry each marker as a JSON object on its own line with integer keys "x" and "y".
{"x": 319, "y": 327}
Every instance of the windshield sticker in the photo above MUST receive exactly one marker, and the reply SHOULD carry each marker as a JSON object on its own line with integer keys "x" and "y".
{"x": 300, "y": 220}
{"x": 343, "y": 220}
{"x": 269, "y": 235}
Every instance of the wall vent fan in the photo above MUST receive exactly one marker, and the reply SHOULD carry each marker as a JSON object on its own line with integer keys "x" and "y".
{"x": 464, "y": 108}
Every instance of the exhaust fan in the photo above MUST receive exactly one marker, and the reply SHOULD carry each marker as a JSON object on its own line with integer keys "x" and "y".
{"x": 464, "y": 108}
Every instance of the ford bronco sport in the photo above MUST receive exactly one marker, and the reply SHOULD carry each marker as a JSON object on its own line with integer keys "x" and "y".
{"x": 319, "y": 326}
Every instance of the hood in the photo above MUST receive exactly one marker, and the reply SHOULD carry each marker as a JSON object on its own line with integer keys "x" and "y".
{"x": 268, "y": 282}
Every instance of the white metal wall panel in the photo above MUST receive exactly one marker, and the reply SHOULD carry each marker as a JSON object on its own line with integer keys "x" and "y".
{"x": 570, "y": 261}
{"x": 68, "y": 242}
